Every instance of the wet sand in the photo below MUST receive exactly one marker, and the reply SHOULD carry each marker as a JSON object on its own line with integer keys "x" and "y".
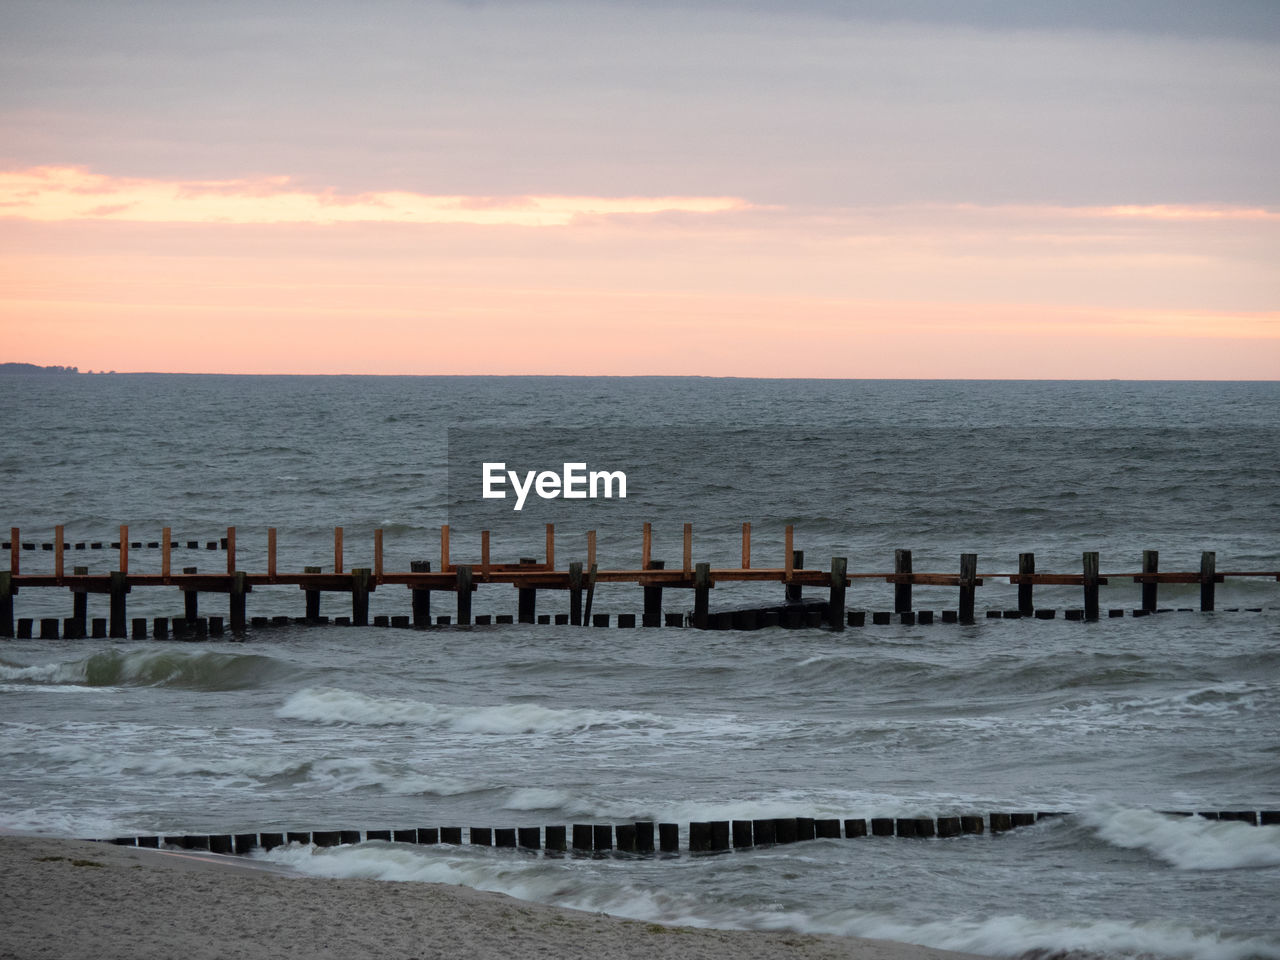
{"x": 68, "y": 899}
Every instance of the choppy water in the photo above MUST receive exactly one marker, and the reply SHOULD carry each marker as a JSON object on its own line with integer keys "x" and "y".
{"x": 301, "y": 728}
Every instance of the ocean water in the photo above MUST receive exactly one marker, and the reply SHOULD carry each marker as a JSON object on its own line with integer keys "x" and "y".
{"x": 347, "y": 728}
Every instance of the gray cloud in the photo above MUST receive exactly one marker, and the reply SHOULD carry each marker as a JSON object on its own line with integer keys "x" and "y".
{"x": 809, "y": 102}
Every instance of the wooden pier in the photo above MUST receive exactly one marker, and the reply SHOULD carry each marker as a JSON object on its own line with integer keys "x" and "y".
{"x": 531, "y": 575}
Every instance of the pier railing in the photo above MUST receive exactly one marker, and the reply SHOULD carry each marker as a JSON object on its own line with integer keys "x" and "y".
{"x": 579, "y": 579}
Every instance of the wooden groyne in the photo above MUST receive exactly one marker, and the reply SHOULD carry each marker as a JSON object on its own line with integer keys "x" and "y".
{"x": 647, "y": 837}
{"x": 578, "y": 580}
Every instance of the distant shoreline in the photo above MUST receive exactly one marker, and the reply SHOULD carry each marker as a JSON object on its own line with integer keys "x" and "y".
{"x": 29, "y": 368}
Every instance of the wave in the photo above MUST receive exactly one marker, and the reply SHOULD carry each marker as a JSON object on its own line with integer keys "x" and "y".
{"x": 332, "y": 705}
{"x": 1187, "y": 843}
{"x": 157, "y": 668}
{"x": 558, "y": 883}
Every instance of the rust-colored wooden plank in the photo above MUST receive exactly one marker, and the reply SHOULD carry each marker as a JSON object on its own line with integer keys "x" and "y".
{"x": 484, "y": 552}
{"x": 231, "y": 549}
{"x": 646, "y": 546}
{"x": 166, "y": 550}
{"x": 57, "y": 547}
{"x": 551, "y": 545}
{"x": 788, "y": 559}
{"x": 337, "y": 549}
{"x": 444, "y": 548}
{"x": 688, "y": 548}
{"x": 377, "y": 552}
{"x": 124, "y": 548}
{"x": 591, "y": 549}
{"x": 271, "y": 552}
{"x": 746, "y": 546}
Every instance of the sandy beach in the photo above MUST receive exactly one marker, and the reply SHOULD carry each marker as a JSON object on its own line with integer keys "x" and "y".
{"x": 70, "y": 899}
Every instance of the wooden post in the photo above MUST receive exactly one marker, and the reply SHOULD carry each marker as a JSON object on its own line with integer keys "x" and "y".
{"x": 835, "y": 605}
{"x": 788, "y": 552}
{"x": 421, "y": 597}
{"x": 124, "y": 549}
{"x": 591, "y": 589}
{"x": 57, "y": 559}
{"x": 313, "y": 596}
{"x": 968, "y": 578}
{"x": 444, "y": 549}
{"x": 646, "y": 546}
{"x": 688, "y": 547}
{"x": 271, "y": 553}
{"x": 337, "y": 549}
{"x": 166, "y": 552}
{"x": 1208, "y": 579}
{"x": 701, "y": 595}
{"x": 377, "y": 552}
{"x": 231, "y": 549}
{"x": 464, "y": 593}
{"x": 746, "y": 546}
{"x": 527, "y": 598}
{"x": 190, "y": 601}
{"x": 484, "y": 552}
{"x": 360, "y": 596}
{"x": 902, "y": 591}
{"x": 237, "y": 597}
{"x": 591, "y": 551}
{"x": 1150, "y": 564}
{"x": 575, "y": 594}
{"x": 15, "y": 550}
{"x": 795, "y": 590}
{"x": 79, "y": 606}
{"x": 652, "y": 616}
{"x": 1026, "y": 568}
{"x": 1091, "y": 585}
{"x": 551, "y": 546}
{"x": 6, "y": 603}
{"x": 119, "y": 587}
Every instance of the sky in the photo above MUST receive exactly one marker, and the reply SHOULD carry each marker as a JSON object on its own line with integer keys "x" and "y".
{"x": 977, "y": 189}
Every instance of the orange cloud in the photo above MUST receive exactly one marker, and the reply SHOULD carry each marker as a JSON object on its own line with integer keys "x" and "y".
{"x": 73, "y": 193}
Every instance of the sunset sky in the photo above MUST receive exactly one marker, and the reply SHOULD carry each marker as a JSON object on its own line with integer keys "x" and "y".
{"x": 813, "y": 188}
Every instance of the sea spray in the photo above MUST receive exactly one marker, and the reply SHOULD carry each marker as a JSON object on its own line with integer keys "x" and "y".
{"x": 1188, "y": 843}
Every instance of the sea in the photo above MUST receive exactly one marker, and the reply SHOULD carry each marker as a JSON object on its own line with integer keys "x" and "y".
{"x": 296, "y": 727}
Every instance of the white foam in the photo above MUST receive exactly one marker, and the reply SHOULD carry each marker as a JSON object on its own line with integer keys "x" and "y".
{"x": 1011, "y": 936}
{"x": 538, "y": 798}
{"x": 1188, "y": 843}
{"x": 332, "y": 705}
{"x": 562, "y": 883}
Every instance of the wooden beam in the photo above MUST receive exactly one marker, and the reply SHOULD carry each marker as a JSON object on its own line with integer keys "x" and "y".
{"x": 484, "y": 552}
{"x": 646, "y": 546}
{"x": 746, "y": 546}
{"x": 124, "y": 548}
{"x": 165, "y": 551}
{"x": 377, "y": 552}
{"x": 444, "y": 549}
{"x": 788, "y": 552}
{"x": 591, "y": 552}
{"x": 57, "y": 546}
{"x": 688, "y": 547}
{"x": 551, "y": 546}
{"x": 337, "y": 549}
{"x": 271, "y": 552}
{"x": 231, "y": 549}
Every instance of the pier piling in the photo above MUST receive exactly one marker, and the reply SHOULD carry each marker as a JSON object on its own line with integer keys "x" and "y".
{"x": 902, "y": 589}
{"x": 1150, "y": 564}
{"x": 1026, "y": 568}
{"x": 421, "y": 601}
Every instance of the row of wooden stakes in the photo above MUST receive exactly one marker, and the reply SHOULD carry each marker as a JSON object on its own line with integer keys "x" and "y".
{"x": 646, "y": 837}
